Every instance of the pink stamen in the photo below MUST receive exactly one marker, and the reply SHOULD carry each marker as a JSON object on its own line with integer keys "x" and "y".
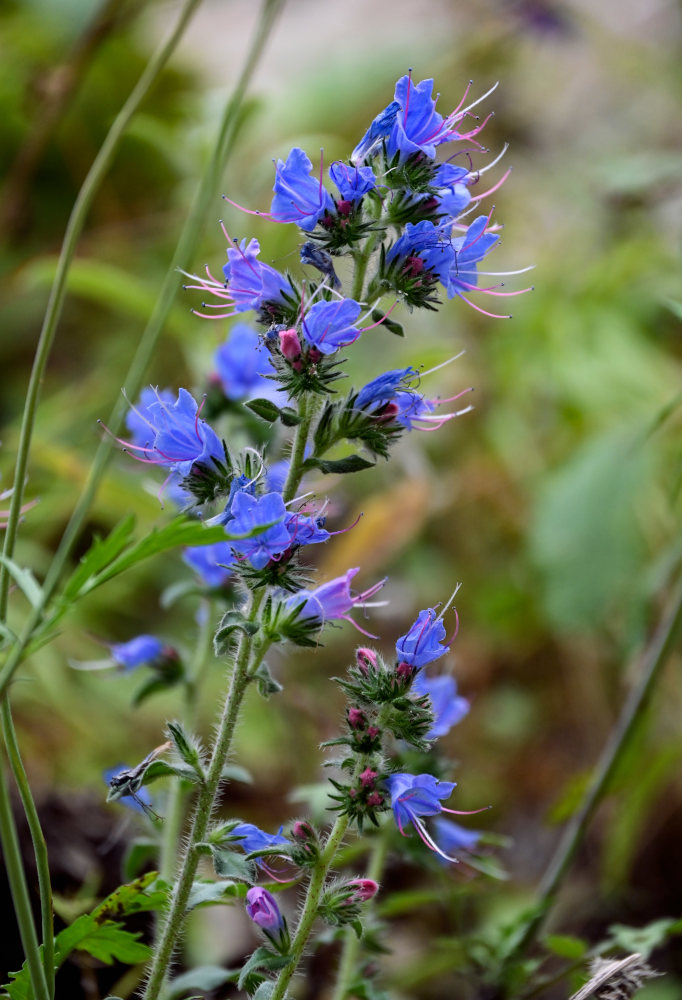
{"x": 407, "y": 99}
{"x": 380, "y": 321}
{"x": 428, "y": 839}
{"x": 208, "y": 316}
{"x": 467, "y": 246}
{"x": 249, "y": 211}
{"x": 321, "y": 169}
{"x": 465, "y": 812}
{"x": 359, "y": 627}
{"x": 494, "y": 187}
{"x": 484, "y": 311}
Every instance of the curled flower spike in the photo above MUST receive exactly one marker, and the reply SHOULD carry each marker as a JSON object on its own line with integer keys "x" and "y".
{"x": 333, "y": 600}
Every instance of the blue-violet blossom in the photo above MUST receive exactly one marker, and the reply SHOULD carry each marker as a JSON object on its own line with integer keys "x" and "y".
{"x": 299, "y": 197}
{"x": 422, "y": 643}
{"x": 330, "y": 325}
{"x": 136, "y": 652}
{"x": 414, "y": 796}
{"x": 262, "y": 908}
{"x": 241, "y": 364}
{"x": 353, "y": 183}
{"x": 447, "y": 706}
{"x": 249, "y": 512}
{"x": 424, "y": 247}
{"x": 332, "y": 600}
{"x": 211, "y": 562}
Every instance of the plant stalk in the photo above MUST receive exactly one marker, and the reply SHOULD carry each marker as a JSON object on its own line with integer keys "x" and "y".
{"x": 652, "y": 661}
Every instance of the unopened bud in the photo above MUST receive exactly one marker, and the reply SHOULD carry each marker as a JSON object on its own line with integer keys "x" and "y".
{"x": 356, "y": 718}
{"x": 290, "y": 345}
{"x": 368, "y": 777}
{"x": 364, "y": 889}
{"x": 365, "y": 658}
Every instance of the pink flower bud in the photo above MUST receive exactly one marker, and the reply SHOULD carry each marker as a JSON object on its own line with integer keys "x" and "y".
{"x": 364, "y": 889}
{"x": 290, "y": 345}
{"x": 368, "y": 777}
{"x": 356, "y": 718}
{"x": 365, "y": 658}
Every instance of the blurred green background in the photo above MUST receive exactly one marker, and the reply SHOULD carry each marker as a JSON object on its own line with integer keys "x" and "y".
{"x": 556, "y": 502}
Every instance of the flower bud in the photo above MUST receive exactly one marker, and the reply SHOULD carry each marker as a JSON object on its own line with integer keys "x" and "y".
{"x": 364, "y": 889}
{"x": 289, "y": 344}
{"x": 263, "y": 909}
{"x": 356, "y": 718}
{"x": 365, "y": 658}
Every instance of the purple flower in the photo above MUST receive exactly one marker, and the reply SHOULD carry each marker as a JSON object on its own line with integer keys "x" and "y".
{"x": 353, "y": 182}
{"x": 211, "y": 562}
{"x": 249, "y": 512}
{"x": 422, "y": 644}
{"x": 299, "y": 197}
{"x": 252, "y": 838}
{"x": 332, "y": 600}
{"x": 263, "y": 910}
{"x": 252, "y": 284}
{"x": 329, "y": 325}
{"x": 424, "y": 247}
{"x": 379, "y": 130}
{"x": 134, "y": 653}
{"x": 241, "y": 364}
{"x": 469, "y": 250}
{"x": 448, "y": 707}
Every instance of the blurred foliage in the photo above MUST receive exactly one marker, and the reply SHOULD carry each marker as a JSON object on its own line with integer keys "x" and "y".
{"x": 557, "y": 502}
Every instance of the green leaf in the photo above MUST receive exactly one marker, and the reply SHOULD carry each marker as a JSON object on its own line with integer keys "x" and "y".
{"x": 25, "y": 580}
{"x": 265, "y": 682}
{"x": 187, "y": 746}
{"x": 100, "y": 554}
{"x": 163, "y": 769}
{"x": 351, "y": 463}
{"x": 230, "y": 622}
{"x": 565, "y": 945}
{"x": 230, "y": 865}
{"x": 645, "y": 939}
{"x": 289, "y": 417}
{"x": 383, "y": 320}
{"x": 204, "y": 978}
{"x": 264, "y": 408}
{"x": 264, "y": 991}
{"x": 207, "y": 893}
{"x": 234, "y": 772}
{"x": 263, "y": 958}
{"x": 138, "y": 853}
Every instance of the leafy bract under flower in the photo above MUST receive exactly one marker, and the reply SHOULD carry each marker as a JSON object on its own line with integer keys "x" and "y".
{"x": 299, "y": 197}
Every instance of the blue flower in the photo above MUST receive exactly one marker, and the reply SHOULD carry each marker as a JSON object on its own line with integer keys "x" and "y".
{"x": 453, "y": 194}
{"x": 418, "y": 128}
{"x": 138, "y": 420}
{"x": 353, "y": 182}
{"x": 379, "y": 130}
{"x": 329, "y": 325}
{"x": 469, "y": 250}
{"x": 306, "y": 530}
{"x": 412, "y": 407}
{"x": 262, "y": 908}
{"x": 383, "y": 388}
{"x": 134, "y": 653}
{"x": 249, "y": 512}
{"x": 241, "y": 364}
{"x": 211, "y": 562}
{"x": 422, "y": 644}
{"x": 414, "y": 796}
{"x": 424, "y": 247}
{"x": 299, "y": 197}
{"x": 180, "y": 438}
{"x": 252, "y": 838}
{"x": 448, "y": 707}
{"x": 452, "y": 837}
{"x": 252, "y": 284}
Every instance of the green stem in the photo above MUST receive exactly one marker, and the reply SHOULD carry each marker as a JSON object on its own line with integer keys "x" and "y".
{"x": 652, "y": 662}
{"x": 350, "y": 952}
{"x": 361, "y": 258}
{"x": 55, "y": 303}
{"x": 306, "y": 411}
{"x": 38, "y": 838}
{"x": 174, "y": 917}
{"x": 175, "y": 805}
{"x": 310, "y": 908}
{"x": 19, "y": 891}
{"x": 183, "y": 253}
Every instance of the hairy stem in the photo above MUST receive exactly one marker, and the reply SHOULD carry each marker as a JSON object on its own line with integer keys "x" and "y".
{"x": 350, "y": 952}
{"x": 174, "y": 917}
{"x": 632, "y": 713}
{"x": 74, "y": 228}
{"x": 311, "y": 905}
{"x": 19, "y": 891}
